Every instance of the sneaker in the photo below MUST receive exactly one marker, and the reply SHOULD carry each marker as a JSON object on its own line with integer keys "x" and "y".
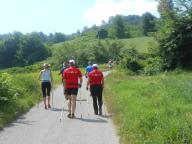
{"x": 66, "y": 97}
{"x": 100, "y": 111}
{"x": 49, "y": 106}
{"x": 73, "y": 116}
{"x": 96, "y": 113}
{"x": 45, "y": 107}
{"x": 69, "y": 115}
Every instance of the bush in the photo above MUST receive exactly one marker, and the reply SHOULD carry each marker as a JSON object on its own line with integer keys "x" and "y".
{"x": 153, "y": 66}
{"x": 130, "y": 59}
{"x": 18, "y": 93}
{"x": 8, "y": 92}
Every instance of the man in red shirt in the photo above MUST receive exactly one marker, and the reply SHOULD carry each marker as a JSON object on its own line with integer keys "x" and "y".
{"x": 96, "y": 83}
{"x": 72, "y": 79}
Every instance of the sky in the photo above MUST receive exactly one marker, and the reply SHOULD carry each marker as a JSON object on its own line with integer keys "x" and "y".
{"x": 66, "y": 16}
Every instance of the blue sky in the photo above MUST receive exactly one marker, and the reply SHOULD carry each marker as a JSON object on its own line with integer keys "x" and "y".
{"x": 66, "y": 16}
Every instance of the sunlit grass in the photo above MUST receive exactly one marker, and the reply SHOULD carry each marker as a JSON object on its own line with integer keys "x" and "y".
{"x": 154, "y": 109}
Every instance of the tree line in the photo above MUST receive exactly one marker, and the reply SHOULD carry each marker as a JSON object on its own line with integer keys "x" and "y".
{"x": 120, "y": 27}
{"x": 173, "y": 34}
{"x": 18, "y": 49}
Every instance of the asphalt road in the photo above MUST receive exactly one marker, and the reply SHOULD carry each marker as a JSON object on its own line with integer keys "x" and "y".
{"x": 40, "y": 126}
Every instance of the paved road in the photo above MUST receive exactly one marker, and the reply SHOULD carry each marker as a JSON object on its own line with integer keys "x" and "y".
{"x": 40, "y": 126}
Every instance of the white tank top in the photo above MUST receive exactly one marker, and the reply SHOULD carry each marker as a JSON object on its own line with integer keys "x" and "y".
{"x": 45, "y": 75}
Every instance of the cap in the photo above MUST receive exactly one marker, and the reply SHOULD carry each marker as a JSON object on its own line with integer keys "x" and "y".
{"x": 46, "y": 65}
{"x": 72, "y": 61}
{"x": 95, "y": 65}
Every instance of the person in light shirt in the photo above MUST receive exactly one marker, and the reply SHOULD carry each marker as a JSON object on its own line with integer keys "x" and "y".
{"x": 45, "y": 76}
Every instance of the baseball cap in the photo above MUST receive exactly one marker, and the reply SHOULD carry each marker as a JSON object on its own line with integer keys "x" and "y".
{"x": 95, "y": 65}
{"x": 46, "y": 65}
{"x": 72, "y": 61}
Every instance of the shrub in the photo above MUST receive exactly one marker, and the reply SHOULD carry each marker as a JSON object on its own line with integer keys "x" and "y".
{"x": 7, "y": 90}
{"x": 130, "y": 59}
{"x": 153, "y": 66}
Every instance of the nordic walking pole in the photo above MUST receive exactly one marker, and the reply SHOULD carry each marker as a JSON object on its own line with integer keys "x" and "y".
{"x": 104, "y": 107}
{"x": 52, "y": 93}
{"x": 88, "y": 104}
{"x": 60, "y": 117}
{"x": 80, "y": 103}
{"x": 39, "y": 97}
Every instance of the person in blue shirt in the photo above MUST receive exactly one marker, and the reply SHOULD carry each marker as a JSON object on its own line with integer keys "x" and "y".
{"x": 88, "y": 69}
{"x": 65, "y": 66}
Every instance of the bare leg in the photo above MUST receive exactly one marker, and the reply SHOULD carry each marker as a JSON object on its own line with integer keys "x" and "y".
{"x": 69, "y": 105}
{"x": 44, "y": 100}
{"x": 73, "y": 100}
{"x": 48, "y": 98}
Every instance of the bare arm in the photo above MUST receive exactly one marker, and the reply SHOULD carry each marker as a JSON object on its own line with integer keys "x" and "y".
{"x": 88, "y": 82}
{"x": 103, "y": 82}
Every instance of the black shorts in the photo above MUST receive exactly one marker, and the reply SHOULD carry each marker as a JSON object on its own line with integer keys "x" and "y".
{"x": 71, "y": 91}
{"x": 96, "y": 90}
{"x": 46, "y": 88}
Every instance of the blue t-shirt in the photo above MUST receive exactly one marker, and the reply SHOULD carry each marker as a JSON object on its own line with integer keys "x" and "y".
{"x": 89, "y": 68}
{"x": 62, "y": 70}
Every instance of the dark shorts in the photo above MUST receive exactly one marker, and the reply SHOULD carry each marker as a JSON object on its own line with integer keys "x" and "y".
{"x": 71, "y": 91}
{"x": 96, "y": 90}
{"x": 46, "y": 88}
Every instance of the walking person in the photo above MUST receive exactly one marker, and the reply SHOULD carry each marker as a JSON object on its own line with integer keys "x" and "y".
{"x": 46, "y": 78}
{"x": 110, "y": 63}
{"x": 65, "y": 66}
{"x": 72, "y": 79}
{"x": 88, "y": 69}
{"x": 96, "y": 84}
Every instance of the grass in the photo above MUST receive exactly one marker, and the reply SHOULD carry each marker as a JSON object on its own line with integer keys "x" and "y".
{"x": 151, "y": 110}
{"x": 23, "y": 93}
{"x": 140, "y": 43}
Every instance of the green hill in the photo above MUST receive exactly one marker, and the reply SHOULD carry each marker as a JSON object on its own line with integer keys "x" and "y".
{"x": 85, "y": 49}
{"x": 140, "y": 43}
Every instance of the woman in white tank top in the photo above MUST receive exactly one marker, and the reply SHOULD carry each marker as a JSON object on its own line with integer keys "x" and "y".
{"x": 46, "y": 78}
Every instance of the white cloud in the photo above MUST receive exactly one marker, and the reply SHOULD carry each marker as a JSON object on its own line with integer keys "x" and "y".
{"x": 103, "y": 9}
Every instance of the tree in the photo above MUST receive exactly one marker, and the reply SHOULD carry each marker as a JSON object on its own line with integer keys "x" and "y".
{"x": 175, "y": 34}
{"x": 165, "y": 7}
{"x": 148, "y": 23}
{"x": 118, "y": 29}
{"x": 102, "y": 34}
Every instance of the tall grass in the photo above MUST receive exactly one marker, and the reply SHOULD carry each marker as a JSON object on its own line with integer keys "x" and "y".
{"x": 151, "y": 110}
{"x": 18, "y": 93}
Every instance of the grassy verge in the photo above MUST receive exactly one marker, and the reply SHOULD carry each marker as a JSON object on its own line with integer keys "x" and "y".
{"x": 18, "y": 93}
{"x": 151, "y": 110}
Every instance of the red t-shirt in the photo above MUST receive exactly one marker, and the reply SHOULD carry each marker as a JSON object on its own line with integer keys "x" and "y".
{"x": 95, "y": 77}
{"x": 71, "y": 76}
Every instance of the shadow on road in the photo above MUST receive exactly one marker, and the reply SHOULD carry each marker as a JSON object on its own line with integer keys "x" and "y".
{"x": 81, "y": 100}
{"x": 97, "y": 120}
{"x": 58, "y": 109}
